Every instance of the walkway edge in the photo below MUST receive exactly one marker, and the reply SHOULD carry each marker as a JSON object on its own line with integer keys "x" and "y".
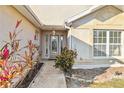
{"x": 36, "y": 76}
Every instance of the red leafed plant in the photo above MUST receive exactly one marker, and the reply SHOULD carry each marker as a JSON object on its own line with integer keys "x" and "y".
{"x": 13, "y": 43}
{"x": 8, "y": 53}
{"x": 18, "y": 23}
{"x": 28, "y": 56}
{"x": 8, "y": 72}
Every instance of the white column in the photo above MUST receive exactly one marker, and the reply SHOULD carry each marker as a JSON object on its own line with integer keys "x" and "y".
{"x": 122, "y": 44}
{"x": 69, "y": 39}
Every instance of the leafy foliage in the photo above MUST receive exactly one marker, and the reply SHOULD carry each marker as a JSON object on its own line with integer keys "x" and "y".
{"x": 8, "y": 54}
{"x": 29, "y": 53}
{"x": 65, "y": 60}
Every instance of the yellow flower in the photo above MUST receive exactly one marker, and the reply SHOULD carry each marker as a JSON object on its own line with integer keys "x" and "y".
{"x": 0, "y": 69}
{"x": 1, "y": 62}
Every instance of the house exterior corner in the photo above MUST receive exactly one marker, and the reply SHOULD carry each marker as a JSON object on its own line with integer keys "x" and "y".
{"x": 98, "y": 37}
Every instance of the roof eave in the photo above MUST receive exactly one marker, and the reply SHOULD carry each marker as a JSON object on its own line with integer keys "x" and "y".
{"x": 86, "y": 12}
{"x": 30, "y": 15}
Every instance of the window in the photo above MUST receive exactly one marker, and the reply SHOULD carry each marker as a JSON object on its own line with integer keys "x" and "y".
{"x": 46, "y": 37}
{"x": 36, "y": 35}
{"x": 115, "y": 44}
{"x": 62, "y": 42}
{"x": 99, "y": 43}
{"x": 107, "y": 43}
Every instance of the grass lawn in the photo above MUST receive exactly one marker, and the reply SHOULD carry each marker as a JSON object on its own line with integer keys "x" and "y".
{"x": 115, "y": 83}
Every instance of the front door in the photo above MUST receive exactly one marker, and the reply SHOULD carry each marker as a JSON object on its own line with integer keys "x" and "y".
{"x": 54, "y": 46}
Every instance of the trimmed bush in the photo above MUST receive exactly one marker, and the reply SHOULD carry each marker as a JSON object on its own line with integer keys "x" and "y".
{"x": 65, "y": 60}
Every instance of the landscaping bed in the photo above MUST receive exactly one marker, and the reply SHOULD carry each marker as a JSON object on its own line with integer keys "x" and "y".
{"x": 18, "y": 64}
{"x": 91, "y": 77}
{"x": 30, "y": 76}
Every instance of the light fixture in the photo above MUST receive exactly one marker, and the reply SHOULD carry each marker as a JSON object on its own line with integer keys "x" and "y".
{"x": 53, "y": 32}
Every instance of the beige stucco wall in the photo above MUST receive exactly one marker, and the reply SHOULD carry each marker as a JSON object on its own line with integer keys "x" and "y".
{"x": 82, "y": 32}
{"x": 8, "y": 18}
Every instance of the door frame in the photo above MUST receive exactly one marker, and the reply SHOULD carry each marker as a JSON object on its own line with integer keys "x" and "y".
{"x": 45, "y": 42}
{"x": 50, "y": 46}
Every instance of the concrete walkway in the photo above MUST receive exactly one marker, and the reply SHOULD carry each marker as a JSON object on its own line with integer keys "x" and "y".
{"x": 49, "y": 77}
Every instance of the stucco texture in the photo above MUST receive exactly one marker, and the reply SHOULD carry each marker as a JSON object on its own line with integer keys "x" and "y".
{"x": 8, "y": 18}
{"x": 107, "y": 17}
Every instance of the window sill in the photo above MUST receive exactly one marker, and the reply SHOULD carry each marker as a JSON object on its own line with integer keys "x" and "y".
{"x": 112, "y": 57}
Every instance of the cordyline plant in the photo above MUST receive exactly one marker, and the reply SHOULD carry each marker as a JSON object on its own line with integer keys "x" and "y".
{"x": 28, "y": 56}
{"x": 8, "y": 70}
{"x": 7, "y": 74}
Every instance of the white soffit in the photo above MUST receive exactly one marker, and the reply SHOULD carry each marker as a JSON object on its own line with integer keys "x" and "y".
{"x": 84, "y": 13}
{"x": 121, "y": 7}
{"x": 90, "y": 10}
{"x": 25, "y": 11}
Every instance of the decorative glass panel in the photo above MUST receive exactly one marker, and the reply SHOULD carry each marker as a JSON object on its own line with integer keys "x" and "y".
{"x": 54, "y": 44}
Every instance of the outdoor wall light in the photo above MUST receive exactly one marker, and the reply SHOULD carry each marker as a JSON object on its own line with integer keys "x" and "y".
{"x": 53, "y": 32}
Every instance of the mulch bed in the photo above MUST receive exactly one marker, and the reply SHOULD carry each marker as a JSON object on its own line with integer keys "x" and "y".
{"x": 30, "y": 76}
{"x": 85, "y": 77}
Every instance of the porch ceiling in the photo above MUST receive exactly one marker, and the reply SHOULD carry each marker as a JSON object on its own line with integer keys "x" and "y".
{"x": 54, "y": 27}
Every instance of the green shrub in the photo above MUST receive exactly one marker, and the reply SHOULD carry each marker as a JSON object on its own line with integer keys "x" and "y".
{"x": 65, "y": 60}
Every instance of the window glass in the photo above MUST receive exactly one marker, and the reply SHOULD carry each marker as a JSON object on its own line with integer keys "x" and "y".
{"x": 46, "y": 37}
{"x": 101, "y": 41}
{"x": 62, "y": 42}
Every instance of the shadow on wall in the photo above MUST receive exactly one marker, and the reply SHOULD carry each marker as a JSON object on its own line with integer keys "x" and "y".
{"x": 101, "y": 15}
{"x": 85, "y": 53}
{"x": 89, "y": 75}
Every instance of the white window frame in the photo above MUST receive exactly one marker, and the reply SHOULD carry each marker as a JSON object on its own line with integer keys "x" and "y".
{"x": 36, "y": 35}
{"x": 47, "y": 45}
{"x": 107, "y": 44}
